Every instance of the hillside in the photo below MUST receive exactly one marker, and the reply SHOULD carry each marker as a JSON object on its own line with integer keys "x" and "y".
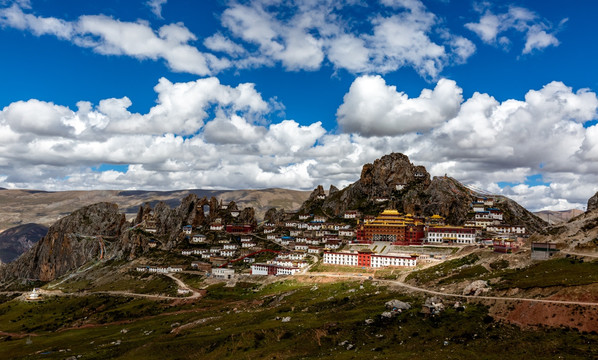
{"x": 32, "y": 206}
{"x": 15, "y": 241}
{"x": 579, "y": 234}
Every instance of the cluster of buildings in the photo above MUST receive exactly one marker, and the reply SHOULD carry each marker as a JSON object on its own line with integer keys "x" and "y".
{"x": 490, "y": 219}
{"x": 160, "y": 269}
{"x": 312, "y": 234}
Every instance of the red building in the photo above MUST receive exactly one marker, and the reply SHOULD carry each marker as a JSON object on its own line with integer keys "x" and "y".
{"x": 505, "y": 246}
{"x": 391, "y": 226}
{"x": 239, "y": 228}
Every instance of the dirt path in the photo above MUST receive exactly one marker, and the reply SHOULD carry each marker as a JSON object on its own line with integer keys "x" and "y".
{"x": 439, "y": 293}
{"x": 195, "y": 294}
{"x": 595, "y": 256}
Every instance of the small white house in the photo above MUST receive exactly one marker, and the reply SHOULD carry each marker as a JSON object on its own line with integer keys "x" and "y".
{"x": 198, "y": 239}
{"x": 216, "y": 227}
{"x": 223, "y": 273}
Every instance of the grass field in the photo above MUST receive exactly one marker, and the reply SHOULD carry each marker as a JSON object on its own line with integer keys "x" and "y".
{"x": 554, "y": 272}
{"x": 443, "y": 269}
{"x": 246, "y": 322}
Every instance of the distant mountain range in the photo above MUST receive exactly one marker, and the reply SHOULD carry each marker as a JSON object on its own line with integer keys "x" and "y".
{"x": 43, "y": 207}
{"x": 17, "y": 240}
{"x": 557, "y": 217}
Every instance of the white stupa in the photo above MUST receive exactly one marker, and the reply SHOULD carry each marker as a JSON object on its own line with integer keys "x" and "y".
{"x": 34, "y": 295}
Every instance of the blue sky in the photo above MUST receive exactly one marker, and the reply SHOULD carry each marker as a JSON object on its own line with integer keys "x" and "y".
{"x": 167, "y": 94}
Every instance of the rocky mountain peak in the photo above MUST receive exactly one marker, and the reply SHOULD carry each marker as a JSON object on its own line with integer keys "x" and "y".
{"x": 390, "y": 171}
{"x": 394, "y": 182}
{"x": 332, "y": 190}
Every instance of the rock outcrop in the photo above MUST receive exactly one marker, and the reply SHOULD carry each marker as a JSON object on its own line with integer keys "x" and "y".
{"x": 593, "y": 203}
{"x": 476, "y": 288}
{"x": 70, "y": 242}
{"x": 274, "y": 216}
{"x": 397, "y": 305}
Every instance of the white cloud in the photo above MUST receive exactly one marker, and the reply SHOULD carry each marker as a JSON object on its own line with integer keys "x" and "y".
{"x": 156, "y": 6}
{"x": 109, "y": 36}
{"x": 220, "y": 43}
{"x": 537, "y": 38}
{"x": 520, "y": 20}
{"x": 372, "y": 108}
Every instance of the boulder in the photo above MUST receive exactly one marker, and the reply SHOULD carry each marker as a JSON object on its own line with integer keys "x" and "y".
{"x": 476, "y": 288}
{"x": 397, "y": 305}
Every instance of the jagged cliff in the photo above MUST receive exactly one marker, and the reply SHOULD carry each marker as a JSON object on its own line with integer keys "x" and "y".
{"x": 69, "y": 243}
{"x": 593, "y": 203}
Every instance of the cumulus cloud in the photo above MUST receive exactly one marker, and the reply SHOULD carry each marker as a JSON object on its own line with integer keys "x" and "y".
{"x": 109, "y": 36}
{"x": 373, "y": 108}
{"x": 522, "y": 20}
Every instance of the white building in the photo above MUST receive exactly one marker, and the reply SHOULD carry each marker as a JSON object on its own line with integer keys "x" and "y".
{"x": 478, "y": 207}
{"x": 451, "y": 234}
{"x": 346, "y": 233}
{"x": 313, "y": 250}
{"x": 223, "y": 273}
{"x": 198, "y": 239}
{"x": 269, "y": 230}
{"x": 507, "y": 229}
{"x": 160, "y": 269}
{"x": 368, "y": 259}
{"x": 216, "y": 227}
{"x": 301, "y": 247}
{"x": 228, "y": 253}
{"x": 272, "y": 269}
{"x": 392, "y": 260}
{"x": 334, "y": 258}
{"x": 350, "y": 215}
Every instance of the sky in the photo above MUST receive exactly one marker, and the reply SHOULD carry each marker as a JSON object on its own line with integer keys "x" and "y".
{"x": 181, "y": 94}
